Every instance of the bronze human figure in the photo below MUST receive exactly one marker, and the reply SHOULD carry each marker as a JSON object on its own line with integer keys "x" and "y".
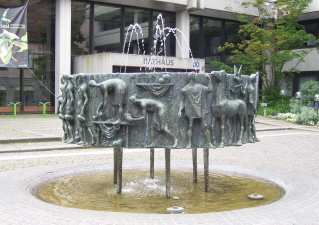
{"x": 64, "y": 83}
{"x": 119, "y": 87}
{"x": 193, "y": 100}
{"x": 61, "y": 106}
{"x": 69, "y": 107}
{"x": 159, "y": 118}
{"x": 223, "y": 108}
{"x": 83, "y": 122}
{"x": 61, "y": 116}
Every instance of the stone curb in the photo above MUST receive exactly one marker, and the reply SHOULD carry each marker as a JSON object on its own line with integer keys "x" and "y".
{"x": 274, "y": 129}
{"x": 30, "y": 139}
{"x": 42, "y": 148}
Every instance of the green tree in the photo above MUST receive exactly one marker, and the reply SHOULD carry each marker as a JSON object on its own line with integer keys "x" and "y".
{"x": 268, "y": 40}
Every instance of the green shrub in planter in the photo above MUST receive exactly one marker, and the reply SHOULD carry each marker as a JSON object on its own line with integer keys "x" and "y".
{"x": 307, "y": 116}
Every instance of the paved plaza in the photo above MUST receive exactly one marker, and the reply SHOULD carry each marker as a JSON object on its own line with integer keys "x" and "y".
{"x": 31, "y": 154}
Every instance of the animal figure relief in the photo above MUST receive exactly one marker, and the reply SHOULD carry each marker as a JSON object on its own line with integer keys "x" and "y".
{"x": 252, "y": 107}
{"x": 223, "y": 108}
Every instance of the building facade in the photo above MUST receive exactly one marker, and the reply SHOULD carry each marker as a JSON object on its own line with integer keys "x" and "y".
{"x": 78, "y": 36}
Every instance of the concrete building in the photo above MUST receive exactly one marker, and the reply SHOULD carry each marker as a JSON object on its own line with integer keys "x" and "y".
{"x": 78, "y": 36}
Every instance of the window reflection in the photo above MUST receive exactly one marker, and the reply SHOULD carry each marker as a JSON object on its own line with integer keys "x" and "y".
{"x": 107, "y": 23}
{"x": 194, "y": 36}
{"x": 212, "y": 36}
{"x": 136, "y": 31}
{"x": 3, "y": 96}
{"x": 311, "y": 29}
{"x": 80, "y": 22}
{"x": 39, "y": 80}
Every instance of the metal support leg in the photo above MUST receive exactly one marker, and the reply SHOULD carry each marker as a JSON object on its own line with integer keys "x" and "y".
{"x": 115, "y": 162}
{"x": 206, "y": 168}
{"x": 194, "y": 152}
{"x": 168, "y": 171}
{"x": 152, "y": 163}
{"x": 119, "y": 170}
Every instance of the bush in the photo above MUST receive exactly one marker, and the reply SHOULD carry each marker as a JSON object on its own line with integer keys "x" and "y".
{"x": 307, "y": 116}
{"x": 308, "y": 91}
{"x": 270, "y": 94}
{"x": 292, "y": 110}
{"x": 289, "y": 117}
{"x": 275, "y": 106}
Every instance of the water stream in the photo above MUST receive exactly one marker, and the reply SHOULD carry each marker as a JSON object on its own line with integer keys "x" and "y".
{"x": 158, "y": 50}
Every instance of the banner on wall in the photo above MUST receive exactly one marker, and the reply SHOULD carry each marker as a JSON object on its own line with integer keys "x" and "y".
{"x": 13, "y": 37}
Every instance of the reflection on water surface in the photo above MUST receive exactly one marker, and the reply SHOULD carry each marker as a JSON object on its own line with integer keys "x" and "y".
{"x": 140, "y": 194}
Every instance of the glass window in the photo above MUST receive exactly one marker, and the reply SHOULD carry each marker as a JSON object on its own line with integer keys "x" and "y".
{"x": 80, "y": 24}
{"x": 134, "y": 15}
{"x": 10, "y": 2}
{"x": 3, "y": 96}
{"x": 194, "y": 36}
{"x": 311, "y": 28}
{"x": 212, "y": 36}
{"x": 39, "y": 84}
{"x": 136, "y": 38}
{"x": 39, "y": 80}
{"x": 231, "y": 29}
{"x": 107, "y": 23}
{"x": 208, "y": 60}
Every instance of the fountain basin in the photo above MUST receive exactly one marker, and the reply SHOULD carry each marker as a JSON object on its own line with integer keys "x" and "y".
{"x": 95, "y": 191}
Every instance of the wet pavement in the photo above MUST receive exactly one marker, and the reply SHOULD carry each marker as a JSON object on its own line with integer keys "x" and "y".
{"x": 288, "y": 155}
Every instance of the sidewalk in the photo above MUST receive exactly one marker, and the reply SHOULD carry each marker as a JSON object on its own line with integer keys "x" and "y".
{"x": 32, "y": 133}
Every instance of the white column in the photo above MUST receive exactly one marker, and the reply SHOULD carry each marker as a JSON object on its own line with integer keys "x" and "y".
{"x": 62, "y": 43}
{"x": 182, "y": 44}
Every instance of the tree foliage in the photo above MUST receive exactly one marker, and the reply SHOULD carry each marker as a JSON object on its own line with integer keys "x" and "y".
{"x": 268, "y": 39}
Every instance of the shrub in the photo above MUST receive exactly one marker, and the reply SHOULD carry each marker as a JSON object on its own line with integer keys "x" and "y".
{"x": 289, "y": 117}
{"x": 308, "y": 91}
{"x": 275, "y": 106}
{"x": 294, "y": 106}
{"x": 307, "y": 116}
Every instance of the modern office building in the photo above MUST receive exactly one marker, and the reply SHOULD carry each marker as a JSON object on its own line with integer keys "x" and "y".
{"x": 78, "y": 36}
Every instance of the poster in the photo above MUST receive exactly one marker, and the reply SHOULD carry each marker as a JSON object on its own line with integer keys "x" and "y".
{"x": 13, "y": 37}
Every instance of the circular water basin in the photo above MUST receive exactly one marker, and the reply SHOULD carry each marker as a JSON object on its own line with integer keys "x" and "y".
{"x": 140, "y": 194}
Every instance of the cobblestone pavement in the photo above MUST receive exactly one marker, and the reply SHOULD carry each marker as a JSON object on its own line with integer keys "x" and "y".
{"x": 23, "y": 126}
{"x": 287, "y": 155}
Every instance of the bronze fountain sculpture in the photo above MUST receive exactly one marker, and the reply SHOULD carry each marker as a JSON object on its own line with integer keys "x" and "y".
{"x": 162, "y": 110}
